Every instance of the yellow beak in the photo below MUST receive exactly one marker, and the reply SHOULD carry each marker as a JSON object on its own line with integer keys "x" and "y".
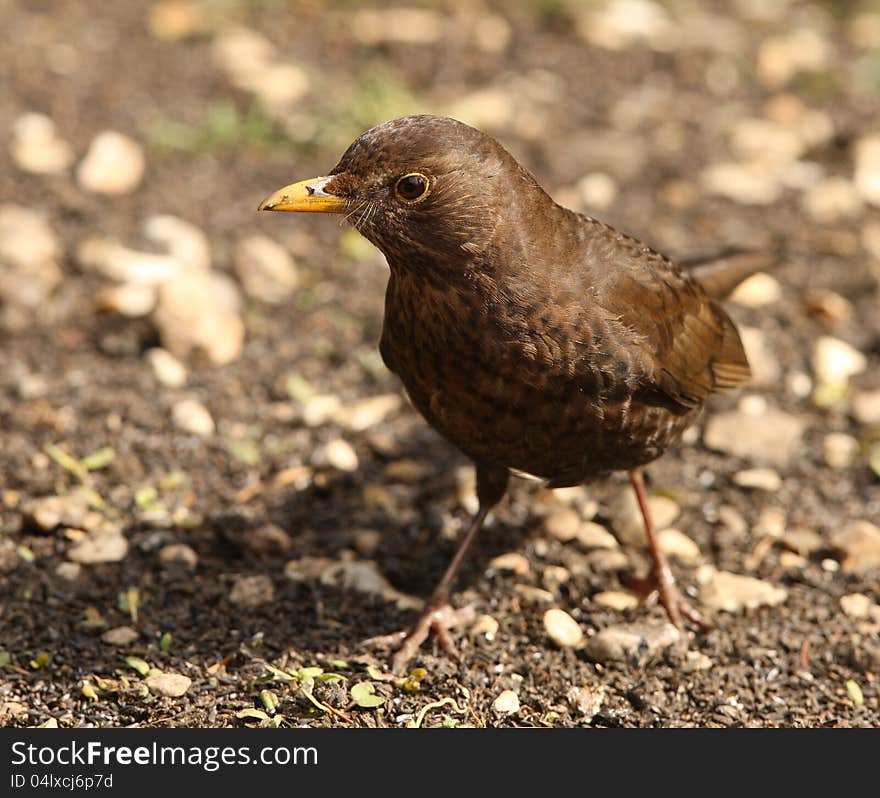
{"x": 305, "y": 196}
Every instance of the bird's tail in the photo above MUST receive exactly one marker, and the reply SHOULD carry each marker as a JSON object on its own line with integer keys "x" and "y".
{"x": 722, "y": 270}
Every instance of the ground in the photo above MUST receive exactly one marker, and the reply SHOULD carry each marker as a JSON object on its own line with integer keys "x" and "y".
{"x": 241, "y": 540}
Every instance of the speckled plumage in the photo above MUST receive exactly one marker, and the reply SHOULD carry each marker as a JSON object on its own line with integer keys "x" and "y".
{"x": 532, "y": 337}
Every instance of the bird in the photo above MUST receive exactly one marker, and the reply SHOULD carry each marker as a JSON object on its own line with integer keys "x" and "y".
{"x": 539, "y": 341}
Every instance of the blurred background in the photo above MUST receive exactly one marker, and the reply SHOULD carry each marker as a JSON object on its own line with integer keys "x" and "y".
{"x": 195, "y": 424}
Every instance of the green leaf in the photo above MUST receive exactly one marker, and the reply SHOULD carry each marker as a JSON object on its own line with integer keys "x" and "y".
{"x": 304, "y": 674}
{"x": 5, "y": 658}
{"x": 146, "y": 497}
{"x": 99, "y": 459}
{"x": 245, "y": 450}
{"x": 165, "y": 642}
{"x": 269, "y": 700}
{"x": 251, "y": 714}
{"x": 855, "y": 693}
{"x": 138, "y": 664}
{"x": 364, "y": 695}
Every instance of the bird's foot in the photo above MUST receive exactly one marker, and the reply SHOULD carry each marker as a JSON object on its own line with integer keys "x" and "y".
{"x": 438, "y": 618}
{"x": 661, "y": 586}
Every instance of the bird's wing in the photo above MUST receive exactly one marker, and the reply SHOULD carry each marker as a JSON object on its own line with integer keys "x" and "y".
{"x": 687, "y": 344}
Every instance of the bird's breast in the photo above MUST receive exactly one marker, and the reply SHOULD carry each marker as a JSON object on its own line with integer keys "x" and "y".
{"x": 519, "y": 384}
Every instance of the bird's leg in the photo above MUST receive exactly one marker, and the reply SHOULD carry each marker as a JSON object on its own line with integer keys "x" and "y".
{"x": 670, "y": 598}
{"x": 438, "y": 616}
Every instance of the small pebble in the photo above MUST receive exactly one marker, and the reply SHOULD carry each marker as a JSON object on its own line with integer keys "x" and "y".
{"x": 835, "y": 361}
{"x": 251, "y": 591}
{"x": 631, "y": 642}
{"x": 772, "y": 436}
{"x": 179, "y": 553}
{"x": 722, "y": 590}
{"x": 679, "y": 546}
{"x": 757, "y": 291}
{"x": 858, "y": 543}
{"x": 484, "y": 625}
{"x": 120, "y": 636}
{"x": 866, "y": 407}
{"x": 266, "y": 269}
{"x": 860, "y": 606}
{"x": 766, "y": 479}
{"x": 839, "y": 450}
{"x": 616, "y": 600}
{"x": 586, "y": 700}
{"x": 99, "y": 547}
{"x": 170, "y": 685}
{"x": 49, "y": 512}
{"x": 507, "y": 703}
{"x": 68, "y": 571}
{"x": 512, "y": 561}
{"x": 114, "y": 164}
{"x": 36, "y": 146}
{"x": 366, "y": 413}
{"x": 340, "y": 454}
{"x": 803, "y": 541}
{"x": 562, "y": 628}
{"x": 190, "y": 415}
{"x": 168, "y": 369}
{"x": 268, "y": 538}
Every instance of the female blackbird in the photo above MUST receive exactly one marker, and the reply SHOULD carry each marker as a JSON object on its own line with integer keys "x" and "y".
{"x": 538, "y": 340}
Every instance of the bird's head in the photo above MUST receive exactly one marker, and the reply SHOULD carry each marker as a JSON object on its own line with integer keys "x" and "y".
{"x": 424, "y": 189}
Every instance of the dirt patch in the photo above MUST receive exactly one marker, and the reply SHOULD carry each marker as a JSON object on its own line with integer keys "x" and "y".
{"x": 211, "y": 521}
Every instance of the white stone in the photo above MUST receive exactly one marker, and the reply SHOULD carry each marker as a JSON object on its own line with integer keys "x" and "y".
{"x": 179, "y": 553}
{"x": 252, "y": 591}
{"x": 365, "y": 413}
{"x": 26, "y": 239}
{"x": 730, "y": 592}
{"x": 679, "y": 546}
{"x": 866, "y": 407}
{"x": 98, "y": 547}
{"x": 120, "y": 636}
{"x": 507, "y": 703}
{"x": 199, "y": 310}
{"x": 597, "y": 190}
{"x": 747, "y": 184}
{"x": 757, "y": 291}
{"x": 167, "y": 369}
{"x": 170, "y": 685}
{"x": 190, "y": 415}
{"x": 511, "y": 561}
{"x": 773, "y": 437}
{"x": 867, "y": 168}
{"x": 835, "y": 361}
{"x": 133, "y": 300}
{"x": 340, "y": 454}
{"x": 832, "y": 199}
{"x": 782, "y": 57}
{"x": 36, "y": 146}
{"x": 266, "y": 269}
{"x": 616, "y": 600}
{"x": 636, "y": 642}
{"x": 766, "y": 479}
{"x": 839, "y": 450}
{"x": 114, "y": 164}
{"x": 858, "y": 544}
{"x": 562, "y": 629}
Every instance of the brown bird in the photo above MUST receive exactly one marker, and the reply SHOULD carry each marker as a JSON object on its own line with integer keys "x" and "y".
{"x": 537, "y": 340}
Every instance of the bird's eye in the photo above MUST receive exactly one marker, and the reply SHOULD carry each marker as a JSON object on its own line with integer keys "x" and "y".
{"x": 411, "y": 187}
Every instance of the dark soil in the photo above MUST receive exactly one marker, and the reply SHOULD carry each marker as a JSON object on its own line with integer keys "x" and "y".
{"x": 784, "y": 666}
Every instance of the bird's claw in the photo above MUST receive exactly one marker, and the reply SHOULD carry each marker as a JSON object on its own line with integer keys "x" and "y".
{"x": 436, "y": 618}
